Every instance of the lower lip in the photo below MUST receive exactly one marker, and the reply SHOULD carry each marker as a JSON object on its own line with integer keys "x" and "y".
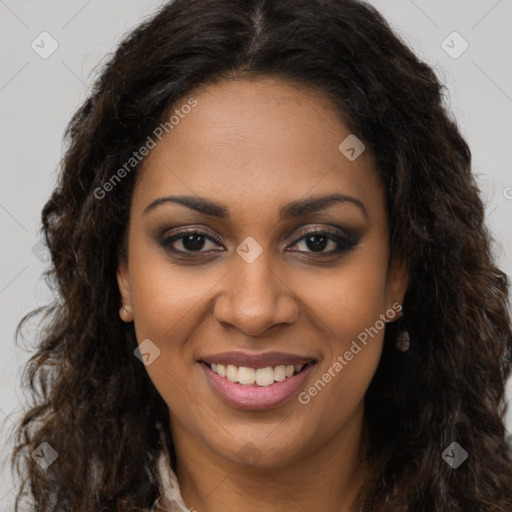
{"x": 256, "y": 397}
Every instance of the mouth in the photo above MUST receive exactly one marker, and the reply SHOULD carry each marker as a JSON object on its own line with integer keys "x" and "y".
{"x": 262, "y": 377}
{"x": 256, "y": 388}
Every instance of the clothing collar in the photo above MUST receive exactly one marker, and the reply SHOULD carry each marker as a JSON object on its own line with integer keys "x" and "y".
{"x": 169, "y": 499}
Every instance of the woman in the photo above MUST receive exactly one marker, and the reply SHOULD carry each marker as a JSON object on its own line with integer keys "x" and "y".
{"x": 275, "y": 284}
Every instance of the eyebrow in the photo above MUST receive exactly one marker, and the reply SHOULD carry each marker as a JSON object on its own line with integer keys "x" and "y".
{"x": 297, "y": 208}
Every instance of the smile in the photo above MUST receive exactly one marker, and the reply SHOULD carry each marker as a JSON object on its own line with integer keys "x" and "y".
{"x": 256, "y": 388}
{"x": 256, "y": 376}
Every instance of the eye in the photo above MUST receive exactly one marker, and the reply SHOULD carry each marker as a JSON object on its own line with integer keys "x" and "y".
{"x": 188, "y": 241}
{"x": 315, "y": 241}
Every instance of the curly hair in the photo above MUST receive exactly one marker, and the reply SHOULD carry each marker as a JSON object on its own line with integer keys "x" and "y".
{"x": 92, "y": 400}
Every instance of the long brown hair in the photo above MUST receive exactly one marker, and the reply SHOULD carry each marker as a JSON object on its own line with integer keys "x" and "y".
{"x": 93, "y": 401}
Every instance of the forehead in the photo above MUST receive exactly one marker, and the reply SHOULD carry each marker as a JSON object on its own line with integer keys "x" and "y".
{"x": 256, "y": 144}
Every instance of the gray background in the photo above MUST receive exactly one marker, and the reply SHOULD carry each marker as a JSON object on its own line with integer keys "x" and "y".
{"x": 38, "y": 97}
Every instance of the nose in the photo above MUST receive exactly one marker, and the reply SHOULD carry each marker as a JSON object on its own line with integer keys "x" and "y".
{"x": 254, "y": 298}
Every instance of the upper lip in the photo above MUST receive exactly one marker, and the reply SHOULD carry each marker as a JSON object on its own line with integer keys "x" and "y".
{"x": 255, "y": 360}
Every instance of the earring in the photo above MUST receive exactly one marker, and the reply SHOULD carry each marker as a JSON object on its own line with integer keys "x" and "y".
{"x": 389, "y": 316}
{"x": 404, "y": 341}
{"x": 126, "y": 316}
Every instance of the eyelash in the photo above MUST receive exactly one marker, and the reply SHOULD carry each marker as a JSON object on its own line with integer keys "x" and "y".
{"x": 344, "y": 243}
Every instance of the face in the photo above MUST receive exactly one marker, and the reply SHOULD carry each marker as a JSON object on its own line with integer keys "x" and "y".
{"x": 253, "y": 264}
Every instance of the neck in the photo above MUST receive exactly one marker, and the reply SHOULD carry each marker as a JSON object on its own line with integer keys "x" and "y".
{"x": 326, "y": 476}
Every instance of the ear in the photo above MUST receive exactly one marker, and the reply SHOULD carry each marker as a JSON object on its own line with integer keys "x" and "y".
{"x": 123, "y": 282}
{"x": 397, "y": 282}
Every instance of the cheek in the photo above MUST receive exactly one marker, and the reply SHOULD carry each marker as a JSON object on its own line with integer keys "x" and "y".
{"x": 165, "y": 294}
{"x": 169, "y": 304}
{"x": 349, "y": 299}
{"x": 347, "y": 307}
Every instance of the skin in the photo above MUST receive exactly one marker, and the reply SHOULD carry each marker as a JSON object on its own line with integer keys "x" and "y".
{"x": 254, "y": 146}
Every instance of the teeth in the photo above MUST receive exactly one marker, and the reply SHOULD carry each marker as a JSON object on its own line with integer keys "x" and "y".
{"x": 279, "y": 373}
{"x": 246, "y": 376}
{"x": 232, "y": 373}
{"x": 260, "y": 376}
{"x": 264, "y": 376}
